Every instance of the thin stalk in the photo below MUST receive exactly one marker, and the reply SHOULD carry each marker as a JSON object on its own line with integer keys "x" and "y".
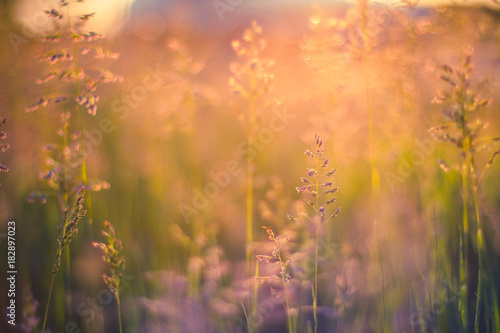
{"x": 286, "y": 305}
{"x": 67, "y": 269}
{"x": 290, "y": 329}
{"x": 249, "y": 326}
{"x": 479, "y": 297}
{"x": 88, "y": 200}
{"x": 255, "y": 288}
{"x": 252, "y": 123}
{"x": 466, "y": 143}
{"x": 249, "y": 201}
{"x": 461, "y": 275}
{"x": 199, "y": 225}
{"x": 67, "y": 282}
{"x": 371, "y": 131}
{"x": 496, "y": 309}
{"x": 462, "y": 302}
{"x": 480, "y": 249}
{"x": 249, "y": 222}
{"x": 374, "y": 174}
{"x": 363, "y": 6}
{"x": 196, "y": 178}
{"x": 65, "y": 195}
{"x": 315, "y": 293}
{"x": 48, "y": 303}
{"x": 436, "y": 242}
{"x": 118, "y": 310}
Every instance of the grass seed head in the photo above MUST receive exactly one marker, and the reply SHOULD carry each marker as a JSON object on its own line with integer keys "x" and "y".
{"x": 68, "y": 229}
{"x": 112, "y": 250}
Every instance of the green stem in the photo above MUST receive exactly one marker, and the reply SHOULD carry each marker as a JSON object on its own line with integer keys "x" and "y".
{"x": 315, "y": 296}
{"x": 196, "y": 172}
{"x": 496, "y": 308}
{"x": 290, "y": 326}
{"x": 67, "y": 283}
{"x": 480, "y": 249}
{"x": 382, "y": 274}
{"x": 373, "y": 167}
{"x": 250, "y": 174}
{"x": 118, "y": 310}
{"x": 255, "y": 288}
{"x": 363, "y": 8}
{"x": 65, "y": 195}
{"x": 462, "y": 303}
{"x": 249, "y": 195}
{"x": 478, "y": 302}
{"x": 249, "y": 326}
{"x": 88, "y": 200}
{"x": 315, "y": 293}
{"x": 436, "y": 254}
{"x": 251, "y": 132}
{"x": 48, "y": 303}
{"x": 249, "y": 204}
{"x": 283, "y": 273}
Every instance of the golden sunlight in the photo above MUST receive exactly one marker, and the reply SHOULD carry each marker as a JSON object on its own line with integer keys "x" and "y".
{"x": 110, "y": 17}
{"x": 250, "y": 166}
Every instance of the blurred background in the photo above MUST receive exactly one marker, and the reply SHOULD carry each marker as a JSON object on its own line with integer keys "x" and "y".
{"x": 167, "y": 156}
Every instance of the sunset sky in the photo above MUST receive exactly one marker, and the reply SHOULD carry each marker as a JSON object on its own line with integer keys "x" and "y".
{"x": 113, "y": 14}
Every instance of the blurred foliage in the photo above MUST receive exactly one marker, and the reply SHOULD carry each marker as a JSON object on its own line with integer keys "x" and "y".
{"x": 169, "y": 137}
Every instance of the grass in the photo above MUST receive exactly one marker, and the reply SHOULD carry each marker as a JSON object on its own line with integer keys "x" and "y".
{"x": 69, "y": 156}
{"x": 252, "y": 81}
{"x": 277, "y": 257}
{"x": 319, "y": 188}
{"x": 112, "y": 250}
{"x": 67, "y": 231}
{"x": 414, "y": 250}
{"x": 464, "y": 131}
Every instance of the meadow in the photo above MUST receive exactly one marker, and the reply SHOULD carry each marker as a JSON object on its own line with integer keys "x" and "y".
{"x": 227, "y": 168}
